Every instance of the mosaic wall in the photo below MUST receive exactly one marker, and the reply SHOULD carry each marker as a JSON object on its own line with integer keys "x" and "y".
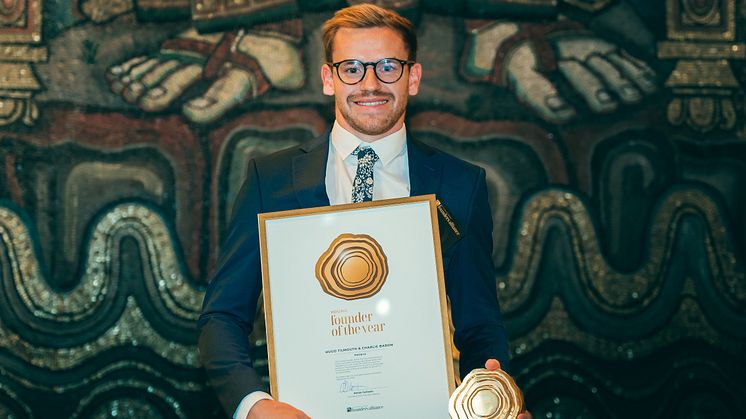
{"x": 613, "y": 134}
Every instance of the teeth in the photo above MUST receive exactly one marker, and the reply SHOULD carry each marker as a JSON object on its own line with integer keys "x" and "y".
{"x": 380, "y": 102}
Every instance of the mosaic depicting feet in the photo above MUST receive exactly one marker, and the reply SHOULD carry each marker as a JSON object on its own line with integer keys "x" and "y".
{"x": 522, "y": 56}
{"x": 239, "y": 65}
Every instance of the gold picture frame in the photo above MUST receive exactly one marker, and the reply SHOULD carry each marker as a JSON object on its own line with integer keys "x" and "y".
{"x": 355, "y": 309}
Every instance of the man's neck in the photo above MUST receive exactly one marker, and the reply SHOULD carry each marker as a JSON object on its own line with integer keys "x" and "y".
{"x": 366, "y": 137}
{"x": 387, "y": 148}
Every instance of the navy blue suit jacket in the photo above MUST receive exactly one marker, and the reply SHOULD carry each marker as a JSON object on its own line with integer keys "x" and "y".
{"x": 295, "y": 178}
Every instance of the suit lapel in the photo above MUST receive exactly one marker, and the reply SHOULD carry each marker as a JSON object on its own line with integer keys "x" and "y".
{"x": 309, "y": 173}
{"x": 425, "y": 172}
{"x": 425, "y": 176}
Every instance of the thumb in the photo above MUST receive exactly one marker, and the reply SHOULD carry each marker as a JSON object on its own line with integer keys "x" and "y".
{"x": 492, "y": 364}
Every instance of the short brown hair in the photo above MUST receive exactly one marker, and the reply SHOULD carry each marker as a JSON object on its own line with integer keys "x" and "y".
{"x": 369, "y": 16}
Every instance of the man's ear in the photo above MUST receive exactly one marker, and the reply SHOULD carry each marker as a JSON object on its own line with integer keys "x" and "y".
{"x": 327, "y": 79}
{"x": 415, "y": 75}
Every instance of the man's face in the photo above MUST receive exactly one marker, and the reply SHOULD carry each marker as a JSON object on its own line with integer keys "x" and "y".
{"x": 370, "y": 109}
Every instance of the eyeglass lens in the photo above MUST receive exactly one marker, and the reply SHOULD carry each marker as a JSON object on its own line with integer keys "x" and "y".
{"x": 387, "y": 70}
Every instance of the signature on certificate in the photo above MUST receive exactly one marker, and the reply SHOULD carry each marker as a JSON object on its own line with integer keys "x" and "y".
{"x": 348, "y": 385}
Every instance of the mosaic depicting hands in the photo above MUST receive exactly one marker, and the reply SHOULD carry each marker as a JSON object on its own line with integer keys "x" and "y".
{"x": 238, "y": 66}
{"x": 524, "y": 57}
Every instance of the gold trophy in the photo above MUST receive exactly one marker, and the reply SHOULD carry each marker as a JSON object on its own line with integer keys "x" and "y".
{"x": 486, "y": 394}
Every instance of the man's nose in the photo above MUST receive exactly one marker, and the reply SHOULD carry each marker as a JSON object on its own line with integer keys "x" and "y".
{"x": 370, "y": 81}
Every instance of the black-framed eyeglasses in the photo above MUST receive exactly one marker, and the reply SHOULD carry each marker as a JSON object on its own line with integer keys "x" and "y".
{"x": 387, "y": 70}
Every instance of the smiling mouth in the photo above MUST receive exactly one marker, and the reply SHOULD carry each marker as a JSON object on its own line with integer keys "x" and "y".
{"x": 371, "y": 102}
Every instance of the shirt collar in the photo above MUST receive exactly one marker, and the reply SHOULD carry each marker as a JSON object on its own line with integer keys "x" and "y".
{"x": 388, "y": 147}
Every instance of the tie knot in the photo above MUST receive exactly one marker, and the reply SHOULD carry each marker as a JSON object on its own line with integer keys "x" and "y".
{"x": 365, "y": 155}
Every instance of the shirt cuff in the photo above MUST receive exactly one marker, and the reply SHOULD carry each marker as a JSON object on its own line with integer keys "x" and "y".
{"x": 243, "y": 409}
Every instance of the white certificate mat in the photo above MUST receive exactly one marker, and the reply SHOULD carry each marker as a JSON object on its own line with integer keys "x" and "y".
{"x": 355, "y": 306}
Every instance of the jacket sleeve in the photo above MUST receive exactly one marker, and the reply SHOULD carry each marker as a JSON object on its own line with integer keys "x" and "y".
{"x": 230, "y": 302}
{"x": 470, "y": 280}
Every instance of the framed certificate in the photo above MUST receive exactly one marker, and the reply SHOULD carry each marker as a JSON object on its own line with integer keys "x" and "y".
{"x": 357, "y": 325}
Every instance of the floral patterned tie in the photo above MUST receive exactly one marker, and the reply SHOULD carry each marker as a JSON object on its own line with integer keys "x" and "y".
{"x": 362, "y": 186}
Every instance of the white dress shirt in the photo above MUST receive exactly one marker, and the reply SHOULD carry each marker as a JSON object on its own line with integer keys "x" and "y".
{"x": 390, "y": 180}
{"x": 390, "y": 173}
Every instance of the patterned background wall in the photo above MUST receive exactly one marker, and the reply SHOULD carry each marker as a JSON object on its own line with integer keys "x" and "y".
{"x": 613, "y": 134}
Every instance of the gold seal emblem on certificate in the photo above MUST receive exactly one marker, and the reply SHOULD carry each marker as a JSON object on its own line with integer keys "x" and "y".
{"x": 354, "y": 266}
{"x": 486, "y": 394}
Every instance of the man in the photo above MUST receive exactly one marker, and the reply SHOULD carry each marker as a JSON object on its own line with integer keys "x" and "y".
{"x": 371, "y": 70}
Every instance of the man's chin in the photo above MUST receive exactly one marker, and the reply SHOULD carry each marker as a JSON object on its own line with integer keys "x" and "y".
{"x": 372, "y": 131}
{"x": 371, "y": 126}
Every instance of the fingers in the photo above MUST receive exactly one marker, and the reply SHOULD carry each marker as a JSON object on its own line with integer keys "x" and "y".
{"x": 534, "y": 89}
{"x": 492, "y": 365}
{"x": 271, "y": 409}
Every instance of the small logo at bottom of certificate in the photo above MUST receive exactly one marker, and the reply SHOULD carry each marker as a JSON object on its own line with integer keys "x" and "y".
{"x": 353, "y": 409}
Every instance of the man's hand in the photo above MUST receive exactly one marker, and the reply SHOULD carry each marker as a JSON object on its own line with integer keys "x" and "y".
{"x": 494, "y": 365}
{"x": 272, "y": 409}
